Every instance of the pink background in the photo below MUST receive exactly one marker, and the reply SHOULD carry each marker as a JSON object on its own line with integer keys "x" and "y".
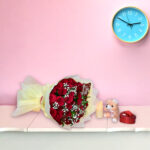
{"x": 50, "y": 39}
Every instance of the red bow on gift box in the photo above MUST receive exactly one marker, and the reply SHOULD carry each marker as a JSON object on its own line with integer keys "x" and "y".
{"x": 127, "y": 117}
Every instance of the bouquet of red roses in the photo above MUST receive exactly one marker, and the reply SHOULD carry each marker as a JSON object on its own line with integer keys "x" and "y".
{"x": 70, "y": 102}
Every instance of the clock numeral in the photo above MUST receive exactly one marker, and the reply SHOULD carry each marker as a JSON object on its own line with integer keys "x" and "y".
{"x": 140, "y": 30}
{"x": 117, "y": 24}
{"x": 129, "y": 36}
{"x": 123, "y": 14}
{"x": 136, "y": 35}
{"x": 119, "y": 30}
{"x": 136, "y": 14}
{"x": 129, "y": 12}
{"x": 142, "y": 25}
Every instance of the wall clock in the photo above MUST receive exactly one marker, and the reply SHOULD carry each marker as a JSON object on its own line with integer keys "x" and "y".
{"x": 130, "y": 24}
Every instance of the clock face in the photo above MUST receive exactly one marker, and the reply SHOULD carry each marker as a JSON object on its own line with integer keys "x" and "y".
{"x": 130, "y": 24}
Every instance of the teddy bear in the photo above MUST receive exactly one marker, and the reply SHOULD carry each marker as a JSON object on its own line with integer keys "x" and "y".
{"x": 111, "y": 110}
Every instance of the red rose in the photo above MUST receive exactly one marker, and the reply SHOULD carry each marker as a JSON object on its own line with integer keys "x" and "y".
{"x": 71, "y": 96}
{"x": 59, "y": 90}
{"x": 70, "y": 82}
{"x": 77, "y": 120}
{"x": 64, "y": 81}
{"x": 60, "y": 85}
{"x": 59, "y": 116}
{"x": 53, "y": 112}
{"x": 52, "y": 98}
{"x": 69, "y": 106}
{"x": 64, "y": 91}
{"x": 69, "y": 99}
{"x": 79, "y": 101}
{"x": 60, "y": 113}
{"x": 54, "y": 90}
{"x": 79, "y": 88}
{"x": 68, "y": 122}
{"x": 79, "y": 84}
{"x": 81, "y": 115}
{"x": 60, "y": 100}
{"x": 79, "y": 96}
{"x": 86, "y": 104}
{"x": 68, "y": 114}
{"x": 81, "y": 107}
{"x": 58, "y": 119}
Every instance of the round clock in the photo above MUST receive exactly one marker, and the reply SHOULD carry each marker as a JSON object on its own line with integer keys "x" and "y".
{"x": 130, "y": 24}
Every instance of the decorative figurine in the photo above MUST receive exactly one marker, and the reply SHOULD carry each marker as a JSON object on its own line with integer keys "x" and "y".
{"x": 111, "y": 110}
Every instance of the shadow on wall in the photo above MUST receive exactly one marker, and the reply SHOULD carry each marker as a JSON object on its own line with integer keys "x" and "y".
{"x": 134, "y": 45}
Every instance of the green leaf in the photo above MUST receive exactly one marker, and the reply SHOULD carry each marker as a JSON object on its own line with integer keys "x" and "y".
{"x": 62, "y": 123}
{"x": 84, "y": 97}
{"x": 73, "y": 113}
{"x": 84, "y": 102}
{"x": 75, "y": 99}
{"x": 57, "y": 93}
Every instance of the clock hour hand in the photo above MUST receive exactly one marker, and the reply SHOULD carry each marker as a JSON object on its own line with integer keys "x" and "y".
{"x": 136, "y": 23}
{"x": 123, "y": 20}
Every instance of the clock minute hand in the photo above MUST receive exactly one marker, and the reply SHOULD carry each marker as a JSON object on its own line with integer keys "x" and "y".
{"x": 123, "y": 20}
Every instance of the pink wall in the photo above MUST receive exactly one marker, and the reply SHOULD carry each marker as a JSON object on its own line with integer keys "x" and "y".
{"x": 50, "y": 39}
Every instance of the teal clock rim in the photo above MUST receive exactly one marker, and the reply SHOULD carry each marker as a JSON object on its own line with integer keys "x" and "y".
{"x": 146, "y": 29}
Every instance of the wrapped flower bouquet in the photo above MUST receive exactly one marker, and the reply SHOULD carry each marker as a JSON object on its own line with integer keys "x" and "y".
{"x": 70, "y": 102}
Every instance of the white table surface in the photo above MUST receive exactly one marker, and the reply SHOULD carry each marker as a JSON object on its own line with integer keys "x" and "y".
{"x": 75, "y": 141}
